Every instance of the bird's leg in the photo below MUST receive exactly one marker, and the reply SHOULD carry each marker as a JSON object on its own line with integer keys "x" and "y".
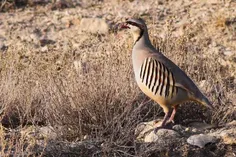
{"x": 163, "y": 124}
{"x": 171, "y": 119}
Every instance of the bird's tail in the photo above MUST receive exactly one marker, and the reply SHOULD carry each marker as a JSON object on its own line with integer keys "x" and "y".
{"x": 204, "y": 101}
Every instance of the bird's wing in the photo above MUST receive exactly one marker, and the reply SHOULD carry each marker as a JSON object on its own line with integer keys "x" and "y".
{"x": 158, "y": 77}
{"x": 180, "y": 77}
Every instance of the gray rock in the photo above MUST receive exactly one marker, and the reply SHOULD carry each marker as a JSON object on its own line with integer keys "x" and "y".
{"x": 201, "y": 125}
{"x": 201, "y": 140}
{"x": 145, "y": 128}
{"x": 227, "y": 133}
{"x": 179, "y": 128}
{"x": 94, "y": 25}
{"x": 162, "y": 134}
{"x": 229, "y": 136}
{"x": 145, "y": 132}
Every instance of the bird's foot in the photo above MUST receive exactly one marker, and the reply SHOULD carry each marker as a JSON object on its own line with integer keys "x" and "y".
{"x": 170, "y": 122}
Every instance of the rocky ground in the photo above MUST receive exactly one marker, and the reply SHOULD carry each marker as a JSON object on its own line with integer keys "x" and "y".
{"x": 42, "y": 47}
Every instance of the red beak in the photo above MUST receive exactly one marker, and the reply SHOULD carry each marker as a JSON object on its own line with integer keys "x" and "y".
{"x": 124, "y": 26}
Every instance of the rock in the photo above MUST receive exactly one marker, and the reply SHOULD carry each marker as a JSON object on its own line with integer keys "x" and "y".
{"x": 94, "y": 25}
{"x": 78, "y": 66}
{"x": 201, "y": 140}
{"x": 227, "y": 133}
{"x": 146, "y": 127}
{"x": 214, "y": 44}
{"x": 179, "y": 128}
{"x": 145, "y": 132}
{"x": 229, "y": 136}
{"x": 186, "y": 131}
{"x": 44, "y": 49}
{"x": 202, "y": 84}
{"x": 182, "y": 130}
{"x": 162, "y": 134}
{"x": 229, "y": 53}
{"x": 201, "y": 126}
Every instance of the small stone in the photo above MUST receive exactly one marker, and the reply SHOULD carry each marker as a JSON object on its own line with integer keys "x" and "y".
{"x": 202, "y": 83}
{"x": 214, "y": 44}
{"x": 201, "y": 140}
{"x": 145, "y": 131}
{"x": 229, "y": 53}
{"x": 86, "y": 137}
{"x": 179, "y": 128}
{"x": 161, "y": 134}
{"x": 78, "y": 66}
{"x": 187, "y": 129}
{"x": 194, "y": 130}
{"x": 44, "y": 49}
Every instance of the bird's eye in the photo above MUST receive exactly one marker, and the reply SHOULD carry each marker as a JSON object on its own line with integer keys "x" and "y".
{"x": 131, "y": 23}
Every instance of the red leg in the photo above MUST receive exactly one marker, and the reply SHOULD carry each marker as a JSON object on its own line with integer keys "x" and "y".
{"x": 163, "y": 124}
{"x": 171, "y": 119}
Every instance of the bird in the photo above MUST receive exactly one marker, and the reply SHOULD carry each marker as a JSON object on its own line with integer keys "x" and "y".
{"x": 157, "y": 76}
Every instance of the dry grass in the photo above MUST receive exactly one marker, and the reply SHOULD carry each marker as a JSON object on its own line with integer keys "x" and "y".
{"x": 11, "y": 5}
{"x": 91, "y": 92}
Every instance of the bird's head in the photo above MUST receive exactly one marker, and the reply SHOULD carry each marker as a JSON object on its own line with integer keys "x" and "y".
{"x": 136, "y": 26}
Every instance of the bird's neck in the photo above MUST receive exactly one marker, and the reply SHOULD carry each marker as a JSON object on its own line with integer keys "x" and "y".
{"x": 142, "y": 39}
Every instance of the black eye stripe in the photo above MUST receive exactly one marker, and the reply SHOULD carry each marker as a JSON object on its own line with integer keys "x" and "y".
{"x": 135, "y": 24}
{"x": 132, "y": 23}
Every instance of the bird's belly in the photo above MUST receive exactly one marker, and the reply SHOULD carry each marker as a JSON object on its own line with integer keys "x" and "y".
{"x": 161, "y": 100}
{"x": 165, "y": 102}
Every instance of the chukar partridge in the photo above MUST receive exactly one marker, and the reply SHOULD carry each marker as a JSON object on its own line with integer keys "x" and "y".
{"x": 157, "y": 76}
